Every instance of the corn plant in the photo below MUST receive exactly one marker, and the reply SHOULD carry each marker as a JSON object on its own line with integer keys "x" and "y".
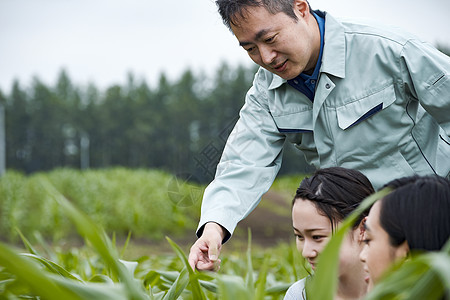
{"x": 102, "y": 274}
{"x": 119, "y": 199}
{"x": 31, "y": 275}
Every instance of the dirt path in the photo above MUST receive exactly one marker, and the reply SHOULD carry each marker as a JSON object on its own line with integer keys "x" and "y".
{"x": 270, "y": 222}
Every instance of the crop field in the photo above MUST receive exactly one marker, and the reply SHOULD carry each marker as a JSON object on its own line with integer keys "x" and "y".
{"x": 70, "y": 235}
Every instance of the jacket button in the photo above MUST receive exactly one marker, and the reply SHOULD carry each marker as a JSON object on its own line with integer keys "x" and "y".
{"x": 327, "y": 86}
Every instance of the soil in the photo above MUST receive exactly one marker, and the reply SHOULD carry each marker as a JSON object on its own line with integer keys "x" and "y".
{"x": 270, "y": 222}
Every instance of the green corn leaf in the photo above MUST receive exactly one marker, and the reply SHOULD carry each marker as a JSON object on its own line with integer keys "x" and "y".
{"x": 52, "y": 267}
{"x": 93, "y": 290}
{"x": 278, "y": 289}
{"x": 155, "y": 277}
{"x": 439, "y": 263}
{"x": 100, "y": 278}
{"x": 232, "y": 288}
{"x": 446, "y": 247}
{"x": 27, "y": 244}
{"x": 291, "y": 259}
{"x": 27, "y": 271}
{"x": 125, "y": 246}
{"x": 97, "y": 237}
{"x": 197, "y": 292}
{"x": 210, "y": 286}
{"x": 129, "y": 265}
{"x": 328, "y": 261}
{"x": 157, "y": 295}
{"x": 179, "y": 285}
{"x": 421, "y": 277}
{"x": 249, "y": 277}
{"x": 49, "y": 251}
{"x": 261, "y": 283}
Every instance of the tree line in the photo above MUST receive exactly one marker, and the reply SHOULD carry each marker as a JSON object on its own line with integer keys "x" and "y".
{"x": 179, "y": 126}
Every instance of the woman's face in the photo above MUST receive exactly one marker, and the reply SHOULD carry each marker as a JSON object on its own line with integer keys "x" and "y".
{"x": 378, "y": 253}
{"x": 313, "y": 231}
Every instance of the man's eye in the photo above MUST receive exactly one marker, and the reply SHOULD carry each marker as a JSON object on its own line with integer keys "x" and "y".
{"x": 250, "y": 49}
{"x": 270, "y": 39}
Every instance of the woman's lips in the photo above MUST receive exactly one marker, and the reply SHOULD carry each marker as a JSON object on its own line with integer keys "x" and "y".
{"x": 367, "y": 277}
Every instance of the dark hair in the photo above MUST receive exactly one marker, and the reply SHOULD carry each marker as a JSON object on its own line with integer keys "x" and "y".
{"x": 417, "y": 211}
{"x": 229, "y": 10}
{"x": 336, "y": 192}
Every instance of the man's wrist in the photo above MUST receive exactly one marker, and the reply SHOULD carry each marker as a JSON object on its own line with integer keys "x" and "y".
{"x": 215, "y": 227}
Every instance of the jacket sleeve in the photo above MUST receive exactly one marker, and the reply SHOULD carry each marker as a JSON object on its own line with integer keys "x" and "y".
{"x": 429, "y": 71}
{"x": 248, "y": 166}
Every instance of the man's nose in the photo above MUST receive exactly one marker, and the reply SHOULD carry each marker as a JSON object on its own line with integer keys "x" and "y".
{"x": 267, "y": 54}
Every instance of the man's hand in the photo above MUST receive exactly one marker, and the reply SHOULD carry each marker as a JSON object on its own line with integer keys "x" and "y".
{"x": 205, "y": 252}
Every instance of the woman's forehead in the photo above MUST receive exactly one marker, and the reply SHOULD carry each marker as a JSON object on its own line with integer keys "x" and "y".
{"x": 373, "y": 217}
{"x": 307, "y": 216}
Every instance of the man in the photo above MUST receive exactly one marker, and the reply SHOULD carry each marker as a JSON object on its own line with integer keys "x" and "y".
{"x": 345, "y": 94}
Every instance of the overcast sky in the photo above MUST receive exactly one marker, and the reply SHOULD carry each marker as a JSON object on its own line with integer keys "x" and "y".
{"x": 100, "y": 41}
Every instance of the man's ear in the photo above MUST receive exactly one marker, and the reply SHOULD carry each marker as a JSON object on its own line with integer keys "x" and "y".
{"x": 301, "y": 8}
{"x": 402, "y": 251}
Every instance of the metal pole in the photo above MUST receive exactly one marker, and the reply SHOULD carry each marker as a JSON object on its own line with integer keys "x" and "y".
{"x": 2, "y": 141}
{"x": 84, "y": 151}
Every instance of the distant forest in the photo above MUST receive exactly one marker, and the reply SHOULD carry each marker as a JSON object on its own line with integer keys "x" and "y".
{"x": 178, "y": 126}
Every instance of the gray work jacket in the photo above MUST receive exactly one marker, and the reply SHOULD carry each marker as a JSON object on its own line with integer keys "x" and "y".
{"x": 381, "y": 106}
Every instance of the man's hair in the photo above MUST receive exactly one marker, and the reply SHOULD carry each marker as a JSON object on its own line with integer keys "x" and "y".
{"x": 336, "y": 192}
{"x": 417, "y": 211}
{"x": 230, "y": 10}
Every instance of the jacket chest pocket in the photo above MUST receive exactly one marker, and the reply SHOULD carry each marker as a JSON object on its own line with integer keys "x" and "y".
{"x": 294, "y": 125}
{"x": 357, "y": 111}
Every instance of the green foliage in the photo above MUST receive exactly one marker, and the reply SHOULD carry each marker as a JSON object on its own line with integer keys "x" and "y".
{"x": 426, "y": 276}
{"x": 141, "y": 201}
{"x": 97, "y": 272}
{"x": 33, "y": 275}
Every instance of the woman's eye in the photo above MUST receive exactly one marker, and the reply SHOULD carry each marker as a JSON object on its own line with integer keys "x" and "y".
{"x": 299, "y": 237}
{"x": 317, "y": 237}
{"x": 366, "y": 239}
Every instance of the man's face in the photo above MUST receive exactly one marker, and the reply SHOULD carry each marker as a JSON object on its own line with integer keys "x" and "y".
{"x": 279, "y": 43}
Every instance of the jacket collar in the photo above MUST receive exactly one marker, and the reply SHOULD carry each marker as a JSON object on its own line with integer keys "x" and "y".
{"x": 333, "y": 57}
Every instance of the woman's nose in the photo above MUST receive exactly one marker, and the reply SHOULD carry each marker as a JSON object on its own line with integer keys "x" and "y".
{"x": 362, "y": 254}
{"x": 309, "y": 250}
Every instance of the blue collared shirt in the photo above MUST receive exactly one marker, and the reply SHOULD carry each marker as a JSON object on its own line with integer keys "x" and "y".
{"x": 304, "y": 83}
